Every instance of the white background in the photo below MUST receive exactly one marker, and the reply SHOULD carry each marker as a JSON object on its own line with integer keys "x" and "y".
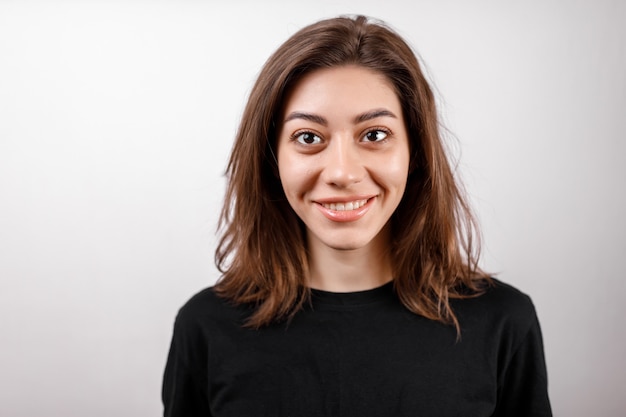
{"x": 116, "y": 119}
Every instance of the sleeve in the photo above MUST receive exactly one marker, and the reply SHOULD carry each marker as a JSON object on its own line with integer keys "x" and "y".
{"x": 184, "y": 392}
{"x": 523, "y": 388}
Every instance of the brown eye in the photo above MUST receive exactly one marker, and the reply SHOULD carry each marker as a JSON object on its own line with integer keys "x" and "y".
{"x": 375, "y": 135}
{"x": 308, "y": 138}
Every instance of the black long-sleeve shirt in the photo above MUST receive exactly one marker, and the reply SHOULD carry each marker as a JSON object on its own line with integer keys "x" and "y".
{"x": 358, "y": 354}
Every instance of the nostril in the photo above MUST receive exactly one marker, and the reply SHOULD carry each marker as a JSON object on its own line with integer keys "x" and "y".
{"x": 343, "y": 167}
{"x": 343, "y": 175}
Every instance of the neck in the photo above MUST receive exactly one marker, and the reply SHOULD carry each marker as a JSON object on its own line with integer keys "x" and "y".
{"x": 349, "y": 270}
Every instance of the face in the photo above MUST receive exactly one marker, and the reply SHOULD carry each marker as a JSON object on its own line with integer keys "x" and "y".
{"x": 343, "y": 156}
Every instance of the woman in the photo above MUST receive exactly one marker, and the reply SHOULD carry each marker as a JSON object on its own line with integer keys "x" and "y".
{"x": 350, "y": 283}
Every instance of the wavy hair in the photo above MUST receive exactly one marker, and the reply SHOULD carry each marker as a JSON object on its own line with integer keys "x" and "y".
{"x": 262, "y": 252}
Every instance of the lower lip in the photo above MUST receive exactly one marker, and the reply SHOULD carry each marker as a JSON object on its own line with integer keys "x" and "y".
{"x": 346, "y": 215}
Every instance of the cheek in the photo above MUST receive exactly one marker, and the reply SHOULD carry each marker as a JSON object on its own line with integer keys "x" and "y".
{"x": 297, "y": 182}
{"x": 398, "y": 180}
{"x": 395, "y": 171}
{"x": 297, "y": 174}
{"x": 291, "y": 175}
{"x": 290, "y": 188}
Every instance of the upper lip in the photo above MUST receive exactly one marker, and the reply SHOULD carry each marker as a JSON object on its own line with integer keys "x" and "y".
{"x": 342, "y": 199}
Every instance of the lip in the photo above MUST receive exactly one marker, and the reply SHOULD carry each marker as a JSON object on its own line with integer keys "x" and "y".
{"x": 343, "y": 216}
{"x": 343, "y": 199}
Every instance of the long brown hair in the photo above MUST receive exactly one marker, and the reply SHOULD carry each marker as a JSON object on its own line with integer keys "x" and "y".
{"x": 262, "y": 253}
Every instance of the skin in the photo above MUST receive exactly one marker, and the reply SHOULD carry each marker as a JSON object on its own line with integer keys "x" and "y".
{"x": 343, "y": 141}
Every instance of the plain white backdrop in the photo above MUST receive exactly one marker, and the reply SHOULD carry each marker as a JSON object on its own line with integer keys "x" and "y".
{"x": 116, "y": 119}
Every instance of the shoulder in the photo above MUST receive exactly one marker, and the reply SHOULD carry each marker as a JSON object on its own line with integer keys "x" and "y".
{"x": 502, "y": 308}
{"x": 500, "y": 296}
{"x": 507, "y": 299}
{"x": 206, "y": 309}
{"x": 204, "y": 318}
{"x": 200, "y": 303}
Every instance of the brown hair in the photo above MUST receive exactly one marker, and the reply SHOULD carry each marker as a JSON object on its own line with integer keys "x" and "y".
{"x": 262, "y": 252}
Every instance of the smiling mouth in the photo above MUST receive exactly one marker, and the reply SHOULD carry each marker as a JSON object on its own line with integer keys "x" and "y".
{"x": 350, "y": 205}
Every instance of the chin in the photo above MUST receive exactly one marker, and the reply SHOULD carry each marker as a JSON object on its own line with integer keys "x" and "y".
{"x": 346, "y": 245}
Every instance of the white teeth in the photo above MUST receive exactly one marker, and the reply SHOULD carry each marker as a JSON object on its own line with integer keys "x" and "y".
{"x": 352, "y": 205}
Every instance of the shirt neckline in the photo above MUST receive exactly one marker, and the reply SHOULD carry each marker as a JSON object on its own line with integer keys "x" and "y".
{"x": 352, "y": 299}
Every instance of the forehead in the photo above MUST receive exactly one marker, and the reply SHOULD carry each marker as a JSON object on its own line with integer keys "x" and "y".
{"x": 341, "y": 88}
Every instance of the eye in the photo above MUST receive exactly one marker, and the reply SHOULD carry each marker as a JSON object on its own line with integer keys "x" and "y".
{"x": 307, "y": 138}
{"x": 375, "y": 135}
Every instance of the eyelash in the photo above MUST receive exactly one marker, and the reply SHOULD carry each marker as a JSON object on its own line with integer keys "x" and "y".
{"x": 385, "y": 131}
{"x": 297, "y": 135}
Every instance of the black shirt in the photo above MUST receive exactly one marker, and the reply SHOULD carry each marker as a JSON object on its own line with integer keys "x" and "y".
{"x": 358, "y": 354}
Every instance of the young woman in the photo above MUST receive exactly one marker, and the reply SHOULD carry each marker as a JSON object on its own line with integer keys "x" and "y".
{"x": 350, "y": 283}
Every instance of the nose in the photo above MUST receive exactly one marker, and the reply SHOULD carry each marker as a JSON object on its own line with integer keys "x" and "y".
{"x": 343, "y": 164}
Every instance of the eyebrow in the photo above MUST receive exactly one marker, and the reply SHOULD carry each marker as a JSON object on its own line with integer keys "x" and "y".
{"x": 363, "y": 117}
{"x": 306, "y": 116}
{"x": 373, "y": 114}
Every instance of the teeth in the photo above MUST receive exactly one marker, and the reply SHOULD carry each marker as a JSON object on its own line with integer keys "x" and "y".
{"x": 352, "y": 205}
